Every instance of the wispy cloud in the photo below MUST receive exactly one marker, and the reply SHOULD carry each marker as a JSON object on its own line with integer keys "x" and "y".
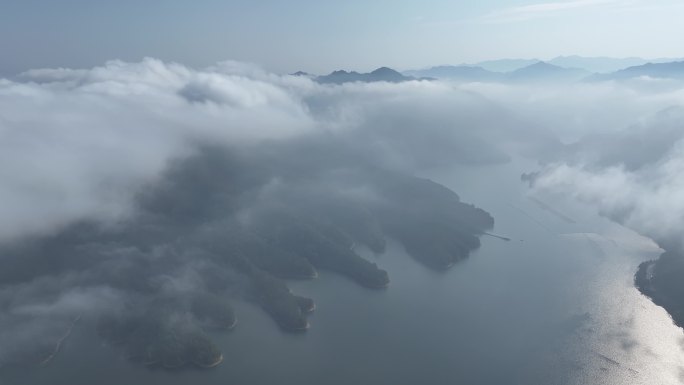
{"x": 557, "y": 8}
{"x": 539, "y": 10}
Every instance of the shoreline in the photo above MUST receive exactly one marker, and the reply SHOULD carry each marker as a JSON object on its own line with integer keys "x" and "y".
{"x": 643, "y": 282}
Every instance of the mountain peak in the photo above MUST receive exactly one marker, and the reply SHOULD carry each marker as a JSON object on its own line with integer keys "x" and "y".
{"x": 541, "y": 66}
{"x": 382, "y": 74}
{"x": 543, "y": 71}
{"x": 301, "y": 73}
{"x": 385, "y": 71}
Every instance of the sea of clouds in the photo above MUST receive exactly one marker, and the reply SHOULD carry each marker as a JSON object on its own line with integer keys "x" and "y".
{"x": 84, "y": 144}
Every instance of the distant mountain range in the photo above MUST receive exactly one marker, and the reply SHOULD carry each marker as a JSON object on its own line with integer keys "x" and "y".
{"x": 590, "y": 64}
{"x": 573, "y": 70}
{"x": 603, "y": 64}
{"x": 504, "y": 65}
{"x": 672, "y": 70}
{"x": 535, "y": 72}
{"x": 545, "y": 72}
{"x": 462, "y": 73}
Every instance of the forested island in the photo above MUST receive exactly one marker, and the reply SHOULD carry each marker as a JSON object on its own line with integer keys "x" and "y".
{"x": 219, "y": 228}
{"x": 661, "y": 280}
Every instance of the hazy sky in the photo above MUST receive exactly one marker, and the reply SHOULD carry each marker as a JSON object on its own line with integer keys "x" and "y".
{"x": 319, "y": 36}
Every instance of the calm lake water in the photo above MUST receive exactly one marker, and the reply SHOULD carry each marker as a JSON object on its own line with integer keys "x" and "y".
{"x": 555, "y": 305}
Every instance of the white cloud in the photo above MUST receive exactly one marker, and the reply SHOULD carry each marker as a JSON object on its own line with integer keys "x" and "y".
{"x": 632, "y": 176}
{"x": 78, "y": 144}
{"x": 540, "y": 10}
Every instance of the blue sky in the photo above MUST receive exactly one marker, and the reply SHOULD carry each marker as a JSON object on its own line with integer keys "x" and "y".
{"x": 319, "y": 36}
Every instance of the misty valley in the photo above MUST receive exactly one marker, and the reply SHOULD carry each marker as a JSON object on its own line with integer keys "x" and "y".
{"x": 174, "y": 225}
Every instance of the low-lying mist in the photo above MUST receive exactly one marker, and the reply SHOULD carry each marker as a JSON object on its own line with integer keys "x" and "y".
{"x": 144, "y": 197}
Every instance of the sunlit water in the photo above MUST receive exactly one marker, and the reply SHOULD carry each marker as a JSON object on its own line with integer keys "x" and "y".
{"x": 555, "y": 305}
